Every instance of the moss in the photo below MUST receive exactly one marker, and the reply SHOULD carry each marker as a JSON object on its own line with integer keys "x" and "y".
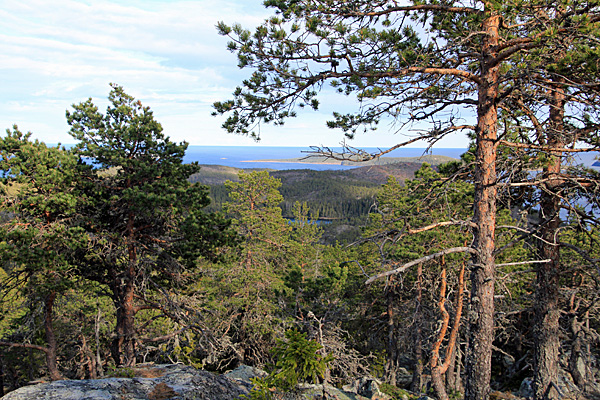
{"x": 397, "y": 393}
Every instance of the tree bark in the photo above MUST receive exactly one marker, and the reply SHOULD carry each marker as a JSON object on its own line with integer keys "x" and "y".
{"x": 417, "y": 378}
{"x": 436, "y": 370}
{"x": 392, "y": 346}
{"x": 439, "y": 368}
{"x": 546, "y": 299}
{"x": 51, "y": 338}
{"x": 481, "y": 313}
{"x": 123, "y": 345}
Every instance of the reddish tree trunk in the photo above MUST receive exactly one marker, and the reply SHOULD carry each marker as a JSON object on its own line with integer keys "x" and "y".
{"x": 439, "y": 368}
{"x": 123, "y": 345}
{"x": 481, "y": 314}
{"x": 436, "y": 370}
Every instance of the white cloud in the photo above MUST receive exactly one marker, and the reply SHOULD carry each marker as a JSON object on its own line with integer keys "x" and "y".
{"x": 166, "y": 53}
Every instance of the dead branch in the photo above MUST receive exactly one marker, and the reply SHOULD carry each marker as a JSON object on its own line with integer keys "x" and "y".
{"x": 406, "y": 266}
{"x": 457, "y": 317}
{"x": 164, "y": 337}
{"x": 549, "y": 149}
{"x": 435, "y": 351}
{"x": 440, "y": 224}
{"x": 524, "y": 262}
{"x": 25, "y": 346}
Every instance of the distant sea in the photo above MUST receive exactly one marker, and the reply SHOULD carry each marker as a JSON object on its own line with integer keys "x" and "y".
{"x": 235, "y": 156}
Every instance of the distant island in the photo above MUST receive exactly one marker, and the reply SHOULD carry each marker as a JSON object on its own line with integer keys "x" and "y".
{"x": 313, "y": 159}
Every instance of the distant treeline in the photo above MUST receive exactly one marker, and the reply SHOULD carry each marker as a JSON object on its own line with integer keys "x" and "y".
{"x": 334, "y": 195}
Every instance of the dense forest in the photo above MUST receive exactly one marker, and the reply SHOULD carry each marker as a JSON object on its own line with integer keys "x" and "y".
{"x": 520, "y": 79}
{"x": 112, "y": 257}
{"x": 339, "y": 200}
{"x": 474, "y": 278}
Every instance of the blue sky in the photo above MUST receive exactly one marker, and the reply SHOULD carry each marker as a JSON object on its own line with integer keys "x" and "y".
{"x": 164, "y": 52}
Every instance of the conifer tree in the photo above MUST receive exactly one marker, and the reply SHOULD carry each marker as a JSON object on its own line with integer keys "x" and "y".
{"x": 372, "y": 49}
{"x": 39, "y": 233}
{"x": 144, "y": 217}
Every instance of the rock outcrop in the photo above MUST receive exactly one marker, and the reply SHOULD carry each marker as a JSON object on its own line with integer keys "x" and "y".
{"x": 154, "y": 382}
{"x": 180, "y": 382}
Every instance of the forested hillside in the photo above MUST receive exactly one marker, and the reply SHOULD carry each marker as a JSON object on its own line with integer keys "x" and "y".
{"x": 341, "y": 199}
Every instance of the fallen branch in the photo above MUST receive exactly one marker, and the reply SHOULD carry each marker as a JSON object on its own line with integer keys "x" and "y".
{"x": 547, "y": 148}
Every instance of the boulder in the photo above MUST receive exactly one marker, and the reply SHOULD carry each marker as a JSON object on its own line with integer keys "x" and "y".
{"x": 154, "y": 382}
{"x": 565, "y": 385}
{"x": 366, "y": 387}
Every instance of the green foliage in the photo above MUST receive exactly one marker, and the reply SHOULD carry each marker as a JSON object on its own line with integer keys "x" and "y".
{"x": 261, "y": 390}
{"x": 121, "y": 372}
{"x": 38, "y": 237}
{"x": 297, "y": 360}
{"x": 144, "y": 216}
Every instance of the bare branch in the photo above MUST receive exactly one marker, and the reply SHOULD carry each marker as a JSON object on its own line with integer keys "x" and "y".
{"x": 164, "y": 337}
{"x": 440, "y": 224}
{"x": 547, "y": 148}
{"x": 524, "y": 262}
{"x": 25, "y": 346}
{"x": 406, "y": 266}
{"x": 420, "y": 7}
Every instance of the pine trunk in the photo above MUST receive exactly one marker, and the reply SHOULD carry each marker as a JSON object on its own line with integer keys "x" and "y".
{"x": 481, "y": 315}
{"x": 123, "y": 345}
{"x": 51, "y": 338}
{"x": 417, "y": 378}
{"x": 546, "y": 311}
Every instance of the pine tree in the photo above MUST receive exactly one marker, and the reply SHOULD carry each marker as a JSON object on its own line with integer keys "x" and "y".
{"x": 143, "y": 215}
{"x": 372, "y": 49}
{"x": 39, "y": 233}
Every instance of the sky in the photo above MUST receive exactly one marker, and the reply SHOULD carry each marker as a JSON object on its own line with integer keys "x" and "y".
{"x": 166, "y": 53}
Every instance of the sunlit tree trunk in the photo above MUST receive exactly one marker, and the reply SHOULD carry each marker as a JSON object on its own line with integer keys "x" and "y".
{"x": 481, "y": 313}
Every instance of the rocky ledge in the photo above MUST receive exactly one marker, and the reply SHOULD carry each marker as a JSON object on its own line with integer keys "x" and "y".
{"x": 152, "y": 382}
{"x": 178, "y": 382}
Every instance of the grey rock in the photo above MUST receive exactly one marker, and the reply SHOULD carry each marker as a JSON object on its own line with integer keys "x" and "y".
{"x": 243, "y": 374}
{"x": 565, "y": 384}
{"x": 366, "y": 387}
{"x": 157, "y": 382}
{"x": 526, "y": 388}
{"x": 403, "y": 377}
